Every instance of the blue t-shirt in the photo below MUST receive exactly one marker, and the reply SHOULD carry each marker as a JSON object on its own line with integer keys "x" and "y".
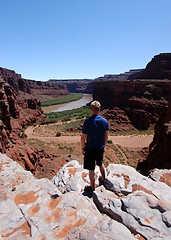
{"x": 95, "y": 128}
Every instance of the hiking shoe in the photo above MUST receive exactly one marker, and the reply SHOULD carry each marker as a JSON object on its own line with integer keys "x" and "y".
{"x": 101, "y": 182}
{"x": 88, "y": 189}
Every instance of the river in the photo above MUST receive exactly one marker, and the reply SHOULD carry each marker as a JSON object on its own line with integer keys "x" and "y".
{"x": 70, "y": 105}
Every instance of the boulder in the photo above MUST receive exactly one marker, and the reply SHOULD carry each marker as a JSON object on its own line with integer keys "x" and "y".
{"x": 140, "y": 203}
{"x": 124, "y": 193}
{"x": 36, "y": 209}
{"x": 72, "y": 177}
{"x": 161, "y": 175}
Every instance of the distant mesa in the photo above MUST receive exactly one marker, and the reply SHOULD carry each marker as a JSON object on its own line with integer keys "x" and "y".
{"x": 132, "y": 74}
{"x": 76, "y": 85}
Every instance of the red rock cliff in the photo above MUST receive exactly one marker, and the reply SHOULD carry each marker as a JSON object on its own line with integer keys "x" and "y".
{"x": 18, "y": 109}
{"x": 160, "y": 148}
{"x": 158, "y": 68}
{"x": 141, "y": 101}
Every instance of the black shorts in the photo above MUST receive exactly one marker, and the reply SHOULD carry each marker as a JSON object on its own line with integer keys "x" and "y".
{"x": 93, "y": 157}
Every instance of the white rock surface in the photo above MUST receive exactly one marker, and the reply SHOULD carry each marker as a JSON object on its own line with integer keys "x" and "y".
{"x": 130, "y": 206}
{"x": 36, "y": 209}
{"x": 141, "y": 204}
{"x": 161, "y": 175}
{"x": 72, "y": 177}
{"x": 124, "y": 180}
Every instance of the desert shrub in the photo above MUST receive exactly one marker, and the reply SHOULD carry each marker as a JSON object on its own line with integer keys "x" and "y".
{"x": 58, "y": 134}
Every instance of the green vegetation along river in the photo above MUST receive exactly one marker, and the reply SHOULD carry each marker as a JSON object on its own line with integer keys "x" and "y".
{"x": 70, "y": 105}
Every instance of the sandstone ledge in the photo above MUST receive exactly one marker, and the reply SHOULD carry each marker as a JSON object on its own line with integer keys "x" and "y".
{"x": 131, "y": 206}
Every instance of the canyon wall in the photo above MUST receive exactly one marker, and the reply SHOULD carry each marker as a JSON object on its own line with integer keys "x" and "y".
{"x": 20, "y": 107}
{"x": 160, "y": 149}
{"x": 76, "y": 85}
{"x": 39, "y": 90}
{"x": 134, "y": 101}
{"x": 158, "y": 68}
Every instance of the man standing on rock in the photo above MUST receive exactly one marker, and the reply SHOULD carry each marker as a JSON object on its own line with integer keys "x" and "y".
{"x": 93, "y": 141}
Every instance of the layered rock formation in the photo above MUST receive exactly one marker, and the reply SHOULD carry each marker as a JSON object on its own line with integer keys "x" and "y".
{"x": 160, "y": 148}
{"x": 158, "y": 68}
{"x": 141, "y": 102}
{"x": 33, "y": 89}
{"x": 130, "y": 206}
{"x": 18, "y": 109}
{"x": 76, "y": 85}
{"x": 140, "y": 98}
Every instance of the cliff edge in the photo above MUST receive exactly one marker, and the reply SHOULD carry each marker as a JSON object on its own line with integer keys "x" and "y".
{"x": 128, "y": 206}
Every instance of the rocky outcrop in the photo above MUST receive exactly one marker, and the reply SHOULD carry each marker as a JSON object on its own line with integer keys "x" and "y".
{"x": 35, "y": 89}
{"x": 159, "y": 150}
{"x": 18, "y": 109}
{"x": 37, "y": 209}
{"x": 158, "y": 68}
{"x": 141, "y": 97}
{"x": 140, "y": 101}
{"x": 132, "y": 74}
{"x": 9, "y": 73}
{"x": 161, "y": 175}
{"x": 76, "y": 85}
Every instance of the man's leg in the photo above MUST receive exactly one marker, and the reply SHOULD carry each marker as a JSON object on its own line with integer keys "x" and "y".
{"x": 102, "y": 170}
{"x": 92, "y": 179}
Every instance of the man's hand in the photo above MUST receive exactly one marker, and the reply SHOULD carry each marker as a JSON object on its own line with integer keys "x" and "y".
{"x": 83, "y": 151}
{"x": 83, "y": 140}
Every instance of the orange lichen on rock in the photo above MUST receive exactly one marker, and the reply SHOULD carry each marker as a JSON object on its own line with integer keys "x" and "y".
{"x": 24, "y": 228}
{"x": 148, "y": 220}
{"x": 137, "y": 187}
{"x": 34, "y": 209}
{"x": 70, "y": 165}
{"x": 72, "y": 171}
{"x": 116, "y": 174}
{"x": 139, "y": 237}
{"x": 53, "y": 203}
{"x": 84, "y": 175}
{"x": 127, "y": 180}
{"x": 56, "y": 214}
{"x": 68, "y": 228}
{"x": 48, "y": 219}
{"x": 71, "y": 214}
{"x": 166, "y": 178}
{"x": 25, "y": 198}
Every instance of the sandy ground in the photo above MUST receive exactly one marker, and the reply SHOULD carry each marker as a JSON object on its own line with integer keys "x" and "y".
{"x": 140, "y": 141}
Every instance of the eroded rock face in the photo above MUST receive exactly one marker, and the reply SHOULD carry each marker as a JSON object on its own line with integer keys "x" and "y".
{"x": 76, "y": 85}
{"x": 158, "y": 68}
{"x": 72, "y": 177}
{"x": 36, "y": 209}
{"x": 159, "y": 151}
{"x": 141, "y": 96}
{"x": 12, "y": 119}
{"x": 19, "y": 109}
{"x": 123, "y": 196}
{"x": 161, "y": 175}
{"x": 34, "y": 88}
{"x": 128, "y": 206}
{"x": 139, "y": 100}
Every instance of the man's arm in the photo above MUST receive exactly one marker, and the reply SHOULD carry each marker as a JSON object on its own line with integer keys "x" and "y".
{"x": 106, "y": 137}
{"x": 83, "y": 141}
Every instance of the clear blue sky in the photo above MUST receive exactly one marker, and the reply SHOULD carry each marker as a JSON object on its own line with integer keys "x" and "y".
{"x": 43, "y": 39}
